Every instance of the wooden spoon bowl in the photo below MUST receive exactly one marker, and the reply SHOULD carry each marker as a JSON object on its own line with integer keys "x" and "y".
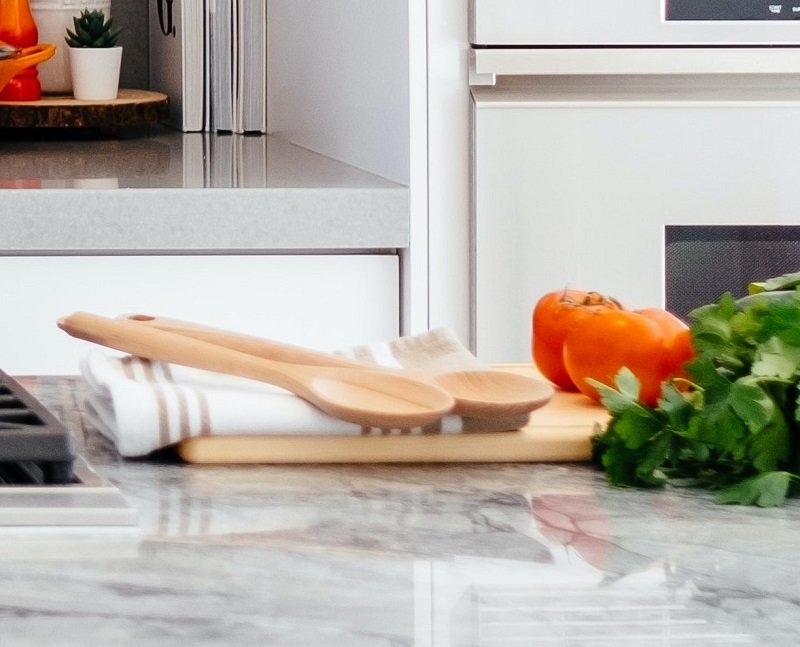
{"x": 484, "y": 393}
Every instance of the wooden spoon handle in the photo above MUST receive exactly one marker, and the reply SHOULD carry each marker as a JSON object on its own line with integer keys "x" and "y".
{"x": 143, "y": 341}
{"x": 359, "y": 396}
{"x": 255, "y": 346}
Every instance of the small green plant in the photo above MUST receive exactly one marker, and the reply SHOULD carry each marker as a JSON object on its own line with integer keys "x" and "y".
{"x": 92, "y": 30}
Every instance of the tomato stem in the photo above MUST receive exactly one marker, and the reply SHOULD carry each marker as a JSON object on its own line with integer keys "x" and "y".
{"x": 688, "y": 383}
{"x": 591, "y": 298}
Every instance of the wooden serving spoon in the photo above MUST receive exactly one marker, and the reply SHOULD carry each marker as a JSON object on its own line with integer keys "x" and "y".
{"x": 477, "y": 392}
{"x": 363, "y": 396}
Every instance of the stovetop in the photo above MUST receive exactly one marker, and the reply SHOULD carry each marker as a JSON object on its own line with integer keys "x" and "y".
{"x": 35, "y": 447}
{"x": 88, "y": 500}
{"x": 43, "y": 479}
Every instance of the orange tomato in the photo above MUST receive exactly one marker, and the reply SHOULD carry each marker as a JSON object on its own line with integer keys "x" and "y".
{"x": 677, "y": 342}
{"x": 553, "y": 317}
{"x": 652, "y": 343}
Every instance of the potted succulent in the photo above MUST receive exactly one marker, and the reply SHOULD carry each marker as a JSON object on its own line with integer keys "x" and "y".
{"x": 94, "y": 56}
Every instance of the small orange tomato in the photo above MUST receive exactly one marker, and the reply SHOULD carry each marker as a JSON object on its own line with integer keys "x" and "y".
{"x": 677, "y": 342}
{"x": 553, "y": 317}
{"x": 653, "y": 344}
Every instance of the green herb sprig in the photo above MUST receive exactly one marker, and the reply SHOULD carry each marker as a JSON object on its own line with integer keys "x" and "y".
{"x": 734, "y": 427}
{"x": 91, "y": 29}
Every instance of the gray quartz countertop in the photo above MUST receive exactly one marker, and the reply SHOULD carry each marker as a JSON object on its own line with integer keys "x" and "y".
{"x": 163, "y": 190}
{"x": 417, "y": 555}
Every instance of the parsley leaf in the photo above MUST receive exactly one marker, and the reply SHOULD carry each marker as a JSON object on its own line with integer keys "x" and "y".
{"x": 765, "y": 490}
{"x": 783, "y": 282}
{"x": 735, "y": 428}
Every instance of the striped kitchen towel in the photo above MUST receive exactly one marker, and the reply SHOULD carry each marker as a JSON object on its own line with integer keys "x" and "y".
{"x": 143, "y": 405}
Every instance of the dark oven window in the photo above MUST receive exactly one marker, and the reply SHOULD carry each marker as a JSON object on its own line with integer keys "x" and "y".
{"x": 701, "y": 262}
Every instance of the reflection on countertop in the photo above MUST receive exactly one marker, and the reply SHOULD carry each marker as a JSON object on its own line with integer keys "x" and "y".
{"x": 160, "y": 157}
{"x": 424, "y": 555}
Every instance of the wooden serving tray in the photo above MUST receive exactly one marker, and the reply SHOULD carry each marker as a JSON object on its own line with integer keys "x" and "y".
{"x": 561, "y": 431}
{"x": 130, "y": 108}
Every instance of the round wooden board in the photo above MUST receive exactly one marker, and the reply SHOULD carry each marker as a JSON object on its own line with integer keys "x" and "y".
{"x": 130, "y": 108}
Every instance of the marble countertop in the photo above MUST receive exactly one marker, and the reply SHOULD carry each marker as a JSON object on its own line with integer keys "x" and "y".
{"x": 417, "y": 555}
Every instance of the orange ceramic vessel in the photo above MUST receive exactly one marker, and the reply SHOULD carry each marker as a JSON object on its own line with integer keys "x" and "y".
{"x": 27, "y": 57}
{"x": 17, "y": 27}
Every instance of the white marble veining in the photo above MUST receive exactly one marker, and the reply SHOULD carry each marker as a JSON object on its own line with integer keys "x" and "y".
{"x": 425, "y": 556}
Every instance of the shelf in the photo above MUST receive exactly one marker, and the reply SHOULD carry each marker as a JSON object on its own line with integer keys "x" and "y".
{"x": 215, "y": 193}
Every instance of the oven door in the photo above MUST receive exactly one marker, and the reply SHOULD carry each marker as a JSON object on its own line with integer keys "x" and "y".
{"x": 633, "y": 22}
{"x": 576, "y": 179}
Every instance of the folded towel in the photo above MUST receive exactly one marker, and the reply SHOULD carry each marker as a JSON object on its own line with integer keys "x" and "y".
{"x": 144, "y": 405}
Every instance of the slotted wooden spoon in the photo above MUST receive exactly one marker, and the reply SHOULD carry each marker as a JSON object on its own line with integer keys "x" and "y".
{"x": 477, "y": 392}
{"x": 363, "y": 396}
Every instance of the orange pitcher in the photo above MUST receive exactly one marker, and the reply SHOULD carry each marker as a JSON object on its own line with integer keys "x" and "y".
{"x": 17, "y": 27}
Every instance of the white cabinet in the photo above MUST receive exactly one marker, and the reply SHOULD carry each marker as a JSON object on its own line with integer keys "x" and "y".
{"x": 323, "y": 301}
{"x": 576, "y": 179}
{"x": 305, "y": 237}
{"x": 591, "y": 137}
{"x": 307, "y": 253}
{"x": 621, "y": 23}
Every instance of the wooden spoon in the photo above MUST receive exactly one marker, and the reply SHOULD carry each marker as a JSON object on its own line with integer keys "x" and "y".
{"x": 365, "y": 397}
{"x": 477, "y": 392}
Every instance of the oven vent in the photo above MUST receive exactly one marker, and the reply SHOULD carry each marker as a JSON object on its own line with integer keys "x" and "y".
{"x": 701, "y": 262}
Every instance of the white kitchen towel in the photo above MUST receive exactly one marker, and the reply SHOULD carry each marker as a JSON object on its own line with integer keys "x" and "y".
{"x": 144, "y": 405}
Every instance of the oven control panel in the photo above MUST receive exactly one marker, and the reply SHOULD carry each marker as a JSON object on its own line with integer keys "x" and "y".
{"x": 731, "y": 10}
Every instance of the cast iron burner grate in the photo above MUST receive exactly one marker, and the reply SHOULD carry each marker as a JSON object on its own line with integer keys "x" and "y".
{"x": 45, "y": 484}
{"x": 35, "y": 447}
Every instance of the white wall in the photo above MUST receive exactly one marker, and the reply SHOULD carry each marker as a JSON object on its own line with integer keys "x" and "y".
{"x": 338, "y": 78}
{"x": 449, "y": 165}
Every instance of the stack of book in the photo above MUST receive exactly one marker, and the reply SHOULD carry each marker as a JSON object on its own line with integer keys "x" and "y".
{"x": 210, "y": 58}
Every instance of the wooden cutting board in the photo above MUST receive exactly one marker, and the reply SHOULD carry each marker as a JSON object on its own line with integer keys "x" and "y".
{"x": 560, "y": 431}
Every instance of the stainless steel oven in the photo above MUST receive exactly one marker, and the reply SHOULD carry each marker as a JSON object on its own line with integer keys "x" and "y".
{"x": 597, "y": 126}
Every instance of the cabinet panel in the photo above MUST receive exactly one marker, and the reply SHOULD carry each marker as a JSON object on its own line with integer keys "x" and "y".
{"x": 577, "y": 195}
{"x": 326, "y": 302}
{"x": 635, "y": 22}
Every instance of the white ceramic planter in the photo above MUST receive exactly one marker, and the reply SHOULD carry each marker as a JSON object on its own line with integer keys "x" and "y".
{"x": 53, "y": 17}
{"x": 95, "y": 72}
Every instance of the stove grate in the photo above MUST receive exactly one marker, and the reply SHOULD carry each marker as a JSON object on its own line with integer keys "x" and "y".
{"x": 35, "y": 447}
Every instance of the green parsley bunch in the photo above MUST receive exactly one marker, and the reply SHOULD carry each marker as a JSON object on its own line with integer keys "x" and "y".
{"x": 734, "y": 427}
